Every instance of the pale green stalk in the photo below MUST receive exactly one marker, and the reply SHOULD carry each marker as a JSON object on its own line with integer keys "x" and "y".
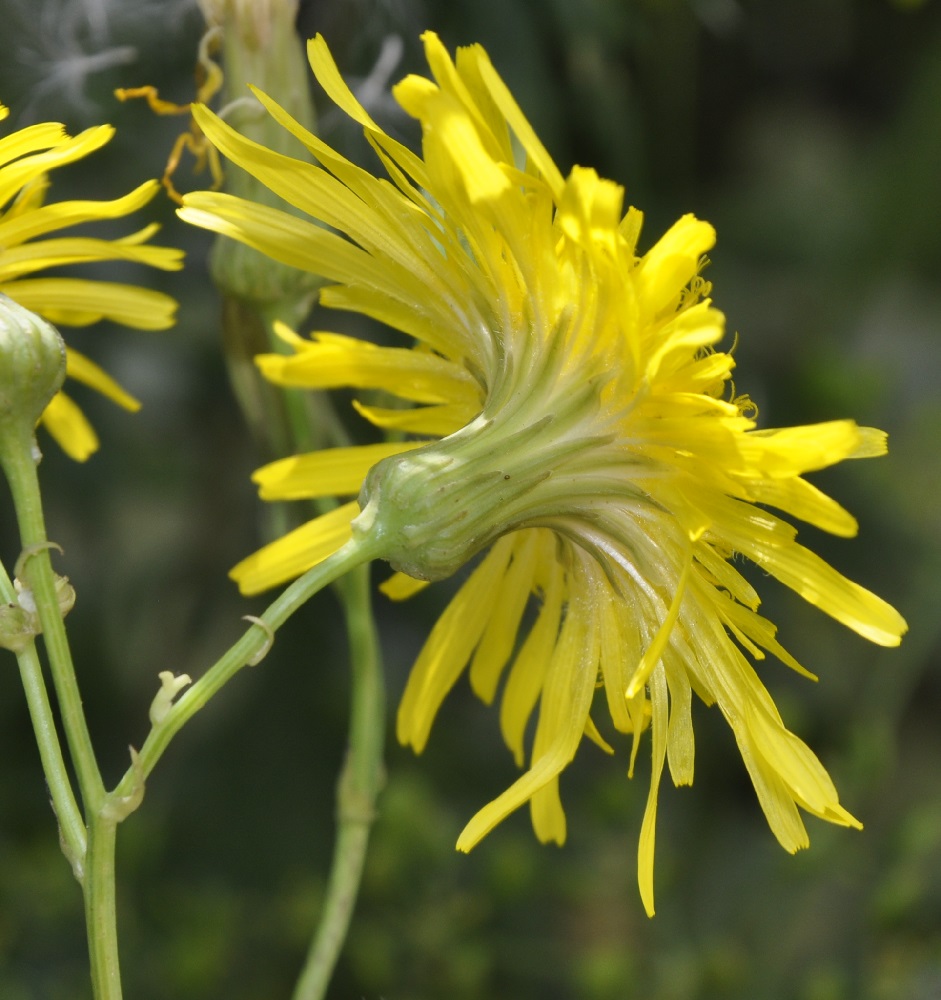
{"x": 20, "y": 469}
{"x": 257, "y": 292}
{"x": 100, "y": 910}
{"x": 93, "y": 861}
{"x": 97, "y": 878}
{"x": 247, "y": 651}
{"x": 360, "y": 783}
{"x": 71, "y": 824}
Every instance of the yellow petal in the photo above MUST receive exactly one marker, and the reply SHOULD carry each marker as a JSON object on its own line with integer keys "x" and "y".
{"x": 792, "y": 451}
{"x": 590, "y": 209}
{"x": 43, "y": 135}
{"x": 499, "y": 637}
{"x": 680, "y": 740}
{"x": 328, "y": 473}
{"x": 672, "y": 262}
{"x": 79, "y": 302}
{"x": 621, "y": 650}
{"x": 872, "y": 443}
{"x": 592, "y": 732}
{"x": 296, "y": 552}
{"x": 648, "y": 830}
{"x": 475, "y": 92}
{"x": 296, "y": 242}
{"x": 694, "y": 328}
{"x": 59, "y": 215}
{"x": 437, "y": 421}
{"x": 775, "y": 798}
{"x": 20, "y": 260}
{"x": 454, "y": 152}
{"x": 547, "y": 814}
{"x": 655, "y": 650}
{"x": 821, "y": 585}
{"x": 769, "y": 542}
{"x": 801, "y": 499}
{"x": 614, "y": 657}
{"x": 746, "y": 625}
{"x": 563, "y": 713}
{"x": 504, "y": 100}
{"x": 68, "y": 425}
{"x": 448, "y": 648}
{"x": 313, "y": 190}
{"x": 726, "y": 576}
{"x": 17, "y": 174}
{"x": 403, "y": 221}
{"x": 84, "y": 370}
{"x": 421, "y": 319}
{"x": 799, "y": 768}
{"x": 400, "y": 586}
{"x": 529, "y": 668}
{"x": 333, "y": 361}
{"x": 328, "y": 76}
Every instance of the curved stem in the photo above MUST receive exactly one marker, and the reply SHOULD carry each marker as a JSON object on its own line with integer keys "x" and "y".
{"x": 360, "y": 782}
{"x": 244, "y": 652}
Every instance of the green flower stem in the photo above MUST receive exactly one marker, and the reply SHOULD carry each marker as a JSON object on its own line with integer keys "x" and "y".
{"x": 71, "y": 824}
{"x": 246, "y": 651}
{"x": 95, "y": 869}
{"x": 19, "y": 465}
{"x": 100, "y": 911}
{"x": 360, "y": 783}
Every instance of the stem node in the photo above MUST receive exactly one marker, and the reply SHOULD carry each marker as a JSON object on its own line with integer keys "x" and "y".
{"x": 269, "y": 639}
{"x": 117, "y": 808}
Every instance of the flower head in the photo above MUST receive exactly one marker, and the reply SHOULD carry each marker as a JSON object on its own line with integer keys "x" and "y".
{"x": 590, "y": 444}
{"x": 26, "y": 158}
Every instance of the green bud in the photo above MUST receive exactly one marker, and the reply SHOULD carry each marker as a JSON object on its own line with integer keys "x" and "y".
{"x": 261, "y": 47}
{"x": 32, "y": 367}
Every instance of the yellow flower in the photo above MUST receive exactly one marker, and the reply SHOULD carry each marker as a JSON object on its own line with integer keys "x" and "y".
{"x": 588, "y": 444}
{"x": 26, "y": 157}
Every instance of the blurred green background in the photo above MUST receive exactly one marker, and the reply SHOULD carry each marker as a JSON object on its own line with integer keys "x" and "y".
{"x": 809, "y": 134}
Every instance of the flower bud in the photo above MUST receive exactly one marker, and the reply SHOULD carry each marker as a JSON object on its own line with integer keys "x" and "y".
{"x": 261, "y": 48}
{"x": 32, "y": 366}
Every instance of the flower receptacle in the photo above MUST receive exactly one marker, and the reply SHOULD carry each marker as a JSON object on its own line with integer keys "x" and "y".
{"x": 434, "y": 508}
